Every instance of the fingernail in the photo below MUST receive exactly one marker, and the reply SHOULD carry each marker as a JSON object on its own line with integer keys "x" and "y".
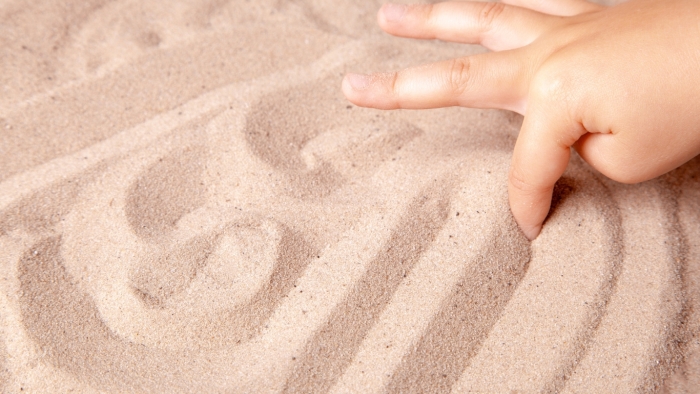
{"x": 394, "y": 12}
{"x": 358, "y": 81}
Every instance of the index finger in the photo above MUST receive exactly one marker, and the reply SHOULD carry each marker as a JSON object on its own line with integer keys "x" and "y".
{"x": 490, "y": 80}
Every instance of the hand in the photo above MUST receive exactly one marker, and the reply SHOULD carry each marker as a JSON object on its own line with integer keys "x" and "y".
{"x": 620, "y": 84}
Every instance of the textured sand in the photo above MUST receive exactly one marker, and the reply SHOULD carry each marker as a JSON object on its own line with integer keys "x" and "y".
{"x": 188, "y": 204}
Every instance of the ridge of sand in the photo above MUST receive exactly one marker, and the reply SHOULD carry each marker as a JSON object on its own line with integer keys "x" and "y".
{"x": 188, "y": 203}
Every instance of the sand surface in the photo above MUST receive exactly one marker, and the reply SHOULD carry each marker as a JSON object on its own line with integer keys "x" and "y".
{"x": 188, "y": 204}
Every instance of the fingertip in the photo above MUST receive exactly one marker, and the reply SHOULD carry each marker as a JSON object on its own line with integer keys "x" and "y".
{"x": 391, "y": 13}
{"x": 369, "y": 90}
{"x": 381, "y": 20}
{"x": 346, "y": 88}
{"x": 354, "y": 88}
{"x": 529, "y": 228}
{"x": 531, "y": 232}
{"x": 357, "y": 82}
{"x": 527, "y": 219}
{"x": 529, "y": 207}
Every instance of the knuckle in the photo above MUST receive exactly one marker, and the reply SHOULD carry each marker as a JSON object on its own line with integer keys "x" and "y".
{"x": 622, "y": 161}
{"x": 393, "y": 89}
{"x": 428, "y": 12}
{"x": 527, "y": 186}
{"x": 619, "y": 170}
{"x": 517, "y": 179}
{"x": 392, "y": 82}
{"x": 458, "y": 75}
{"x": 489, "y": 13}
{"x": 550, "y": 84}
{"x": 549, "y": 88}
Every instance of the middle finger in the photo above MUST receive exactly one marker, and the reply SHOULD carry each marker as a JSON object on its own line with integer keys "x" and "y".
{"x": 496, "y": 26}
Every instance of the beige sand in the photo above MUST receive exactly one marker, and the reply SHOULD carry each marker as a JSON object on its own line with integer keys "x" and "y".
{"x": 188, "y": 204}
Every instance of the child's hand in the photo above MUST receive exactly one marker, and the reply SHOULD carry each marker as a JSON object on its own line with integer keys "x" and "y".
{"x": 620, "y": 84}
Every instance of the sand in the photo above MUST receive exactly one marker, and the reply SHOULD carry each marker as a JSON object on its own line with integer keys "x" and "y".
{"x": 188, "y": 204}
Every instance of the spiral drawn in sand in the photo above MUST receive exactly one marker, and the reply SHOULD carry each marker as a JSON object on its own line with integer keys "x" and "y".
{"x": 258, "y": 234}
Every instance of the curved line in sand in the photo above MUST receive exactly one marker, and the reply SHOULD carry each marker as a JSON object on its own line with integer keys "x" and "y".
{"x": 38, "y": 298}
{"x": 68, "y": 322}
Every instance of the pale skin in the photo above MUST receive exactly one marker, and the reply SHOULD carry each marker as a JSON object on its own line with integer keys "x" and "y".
{"x": 621, "y": 84}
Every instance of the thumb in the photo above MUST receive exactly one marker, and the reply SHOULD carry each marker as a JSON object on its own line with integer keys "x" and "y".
{"x": 541, "y": 155}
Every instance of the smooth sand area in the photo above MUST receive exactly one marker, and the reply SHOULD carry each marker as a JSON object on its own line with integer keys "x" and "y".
{"x": 189, "y": 204}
